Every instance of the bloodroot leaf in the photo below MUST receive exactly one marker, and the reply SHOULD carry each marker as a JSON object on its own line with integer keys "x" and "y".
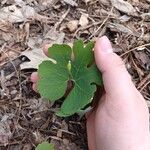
{"x": 45, "y": 146}
{"x": 82, "y": 71}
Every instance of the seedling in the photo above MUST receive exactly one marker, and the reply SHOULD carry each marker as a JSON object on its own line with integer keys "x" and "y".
{"x": 75, "y": 65}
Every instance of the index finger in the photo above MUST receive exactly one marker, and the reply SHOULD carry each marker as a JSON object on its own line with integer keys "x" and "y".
{"x": 45, "y": 48}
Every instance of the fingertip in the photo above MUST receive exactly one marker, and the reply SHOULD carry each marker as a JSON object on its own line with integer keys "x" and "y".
{"x": 103, "y": 46}
{"x": 45, "y": 49}
{"x": 116, "y": 79}
{"x": 34, "y": 77}
{"x": 102, "y": 49}
{"x": 34, "y": 87}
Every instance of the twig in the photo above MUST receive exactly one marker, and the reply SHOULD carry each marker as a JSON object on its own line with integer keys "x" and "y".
{"x": 13, "y": 143}
{"x": 87, "y": 27}
{"x": 133, "y": 49}
{"x": 139, "y": 71}
{"x": 105, "y": 20}
{"x": 61, "y": 19}
{"x": 12, "y": 49}
{"x": 2, "y": 81}
{"x": 144, "y": 82}
{"x": 145, "y": 85}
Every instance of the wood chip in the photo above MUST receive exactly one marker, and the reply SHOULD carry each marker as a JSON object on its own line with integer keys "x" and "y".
{"x": 72, "y": 25}
{"x": 84, "y": 20}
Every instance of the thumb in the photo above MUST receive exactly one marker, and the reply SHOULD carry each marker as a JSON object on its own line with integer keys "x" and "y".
{"x": 116, "y": 78}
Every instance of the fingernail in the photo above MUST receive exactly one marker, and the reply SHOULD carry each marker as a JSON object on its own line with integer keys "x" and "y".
{"x": 105, "y": 45}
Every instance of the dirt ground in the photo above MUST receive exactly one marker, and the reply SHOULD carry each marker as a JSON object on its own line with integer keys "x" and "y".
{"x": 26, "y": 25}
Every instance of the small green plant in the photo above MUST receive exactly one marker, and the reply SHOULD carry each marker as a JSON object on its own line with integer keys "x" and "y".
{"x": 74, "y": 65}
{"x": 45, "y": 146}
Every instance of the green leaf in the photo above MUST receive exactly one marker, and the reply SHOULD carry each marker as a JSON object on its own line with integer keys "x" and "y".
{"x": 45, "y": 146}
{"x": 53, "y": 78}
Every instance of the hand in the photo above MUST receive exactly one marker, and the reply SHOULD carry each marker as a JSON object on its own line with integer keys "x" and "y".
{"x": 121, "y": 119}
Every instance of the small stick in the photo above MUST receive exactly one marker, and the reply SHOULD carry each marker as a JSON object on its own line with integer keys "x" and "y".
{"x": 133, "y": 49}
{"x": 102, "y": 23}
{"x": 143, "y": 82}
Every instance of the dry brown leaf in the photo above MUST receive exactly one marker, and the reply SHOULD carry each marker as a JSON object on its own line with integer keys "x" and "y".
{"x": 54, "y": 36}
{"x": 119, "y": 27}
{"x": 146, "y": 37}
{"x": 84, "y": 20}
{"x": 5, "y": 131}
{"x": 146, "y": 16}
{"x": 123, "y": 6}
{"x": 36, "y": 56}
{"x": 124, "y": 18}
{"x": 87, "y": 1}
{"x": 20, "y": 2}
{"x": 72, "y": 25}
{"x": 148, "y": 1}
{"x": 5, "y": 26}
{"x": 142, "y": 57}
{"x": 14, "y": 14}
{"x": 105, "y": 2}
{"x": 71, "y": 2}
{"x": 38, "y": 104}
{"x": 47, "y": 2}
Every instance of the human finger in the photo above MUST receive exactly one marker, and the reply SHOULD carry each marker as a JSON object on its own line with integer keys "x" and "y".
{"x": 116, "y": 78}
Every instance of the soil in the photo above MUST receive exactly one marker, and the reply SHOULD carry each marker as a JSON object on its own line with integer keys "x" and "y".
{"x": 25, "y": 25}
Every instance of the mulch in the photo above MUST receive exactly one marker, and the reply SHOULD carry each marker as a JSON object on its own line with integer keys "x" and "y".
{"x": 25, "y": 118}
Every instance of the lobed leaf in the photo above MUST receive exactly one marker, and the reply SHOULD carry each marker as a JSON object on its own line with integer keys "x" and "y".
{"x": 81, "y": 70}
{"x": 45, "y": 146}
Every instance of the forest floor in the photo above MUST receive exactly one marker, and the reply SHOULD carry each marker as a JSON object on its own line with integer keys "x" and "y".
{"x": 26, "y": 25}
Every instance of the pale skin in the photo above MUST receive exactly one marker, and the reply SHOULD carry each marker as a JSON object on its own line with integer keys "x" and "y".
{"x": 121, "y": 119}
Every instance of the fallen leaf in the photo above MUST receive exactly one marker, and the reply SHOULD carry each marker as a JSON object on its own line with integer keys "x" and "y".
{"x": 84, "y": 20}
{"x": 119, "y": 27}
{"x": 5, "y": 131}
{"x": 105, "y": 2}
{"x": 148, "y": 1}
{"x": 124, "y": 18}
{"x": 19, "y": 2}
{"x": 47, "y": 2}
{"x": 146, "y": 16}
{"x": 36, "y": 56}
{"x": 123, "y": 6}
{"x": 5, "y": 26}
{"x": 71, "y": 2}
{"x": 14, "y": 14}
{"x": 143, "y": 58}
{"x": 72, "y": 25}
{"x": 87, "y": 1}
{"x": 55, "y": 36}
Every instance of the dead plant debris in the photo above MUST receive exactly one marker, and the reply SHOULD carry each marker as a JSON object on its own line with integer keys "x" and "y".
{"x": 27, "y": 25}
